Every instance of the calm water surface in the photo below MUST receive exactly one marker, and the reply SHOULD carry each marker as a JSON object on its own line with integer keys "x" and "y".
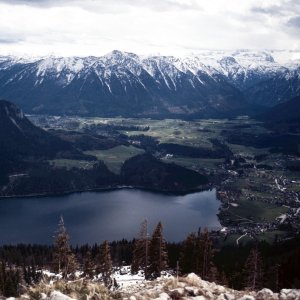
{"x": 94, "y": 216}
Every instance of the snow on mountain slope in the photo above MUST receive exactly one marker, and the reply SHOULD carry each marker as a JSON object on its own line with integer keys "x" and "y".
{"x": 230, "y": 64}
{"x": 243, "y": 68}
{"x": 277, "y": 89}
{"x": 206, "y": 83}
{"x": 209, "y": 58}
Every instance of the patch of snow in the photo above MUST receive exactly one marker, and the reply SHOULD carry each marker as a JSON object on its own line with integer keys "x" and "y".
{"x": 59, "y": 296}
{"x": 108, "y": 86}
{"x": 205, "y": 65}
{"x": 51, "y": 275}
{"x": 224, "y": 229}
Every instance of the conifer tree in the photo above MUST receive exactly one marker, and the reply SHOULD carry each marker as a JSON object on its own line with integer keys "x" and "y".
{"x": 196, "y": 256}
{"x": 10, "y": 289}
{"x": 140, "y": 258}
{"x": 88, "y": 265}
{"x": 158, "y": 256}
{"x": 205, "y": 254}
{"x": 213, "y": 274}
{"x": 64, "y": 260}
{"x": 104, "y": 263}
{"x": 2, "y": 277}
{"x": 187, "y": 255}
{"x": 223, "y": 280}
{"x": 72, "y": 264}
{"x": 9, "y": 281}
{"x": 253, "y": 270}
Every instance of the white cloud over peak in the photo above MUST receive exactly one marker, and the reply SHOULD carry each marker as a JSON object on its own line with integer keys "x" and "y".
{"x": 95, "y": 27}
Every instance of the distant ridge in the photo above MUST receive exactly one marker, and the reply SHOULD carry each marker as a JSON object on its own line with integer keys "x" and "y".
{"x": 209, "y": 84}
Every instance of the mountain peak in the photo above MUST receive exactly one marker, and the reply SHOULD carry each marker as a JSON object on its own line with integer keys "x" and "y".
{"x": 252, "y": 54}
{"x": 123, "y": 83}
{"x": 120, "y": 55}
{"x": 228, "y": 60}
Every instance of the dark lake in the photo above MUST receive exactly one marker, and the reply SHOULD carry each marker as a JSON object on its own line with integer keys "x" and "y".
{"x": 95, "y": 216}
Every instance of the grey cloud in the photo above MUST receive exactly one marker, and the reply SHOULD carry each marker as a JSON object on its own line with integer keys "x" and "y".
{"x": 294, "y": 22}
{"x": 271, "y": 10}
{"x": 164, "y": 5}
{"x": 284, "y": 8}
{"x": 104, "y": 5}
{"x": 30, "y": 2}
{"x": 10, "y": 40}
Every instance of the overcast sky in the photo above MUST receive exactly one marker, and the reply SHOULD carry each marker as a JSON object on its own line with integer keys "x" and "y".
{"x": 95, "y": 27}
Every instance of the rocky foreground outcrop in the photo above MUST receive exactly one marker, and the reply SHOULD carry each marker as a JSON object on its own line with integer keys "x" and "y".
{"x": 183, "y": 288}
{"x": 193, "y": 287}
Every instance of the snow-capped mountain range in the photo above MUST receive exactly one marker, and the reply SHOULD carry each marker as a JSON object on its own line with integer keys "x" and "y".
{"x": 121, "y": 83}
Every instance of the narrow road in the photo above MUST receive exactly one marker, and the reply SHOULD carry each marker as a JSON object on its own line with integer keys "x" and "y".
{"x": 237, "y": 241}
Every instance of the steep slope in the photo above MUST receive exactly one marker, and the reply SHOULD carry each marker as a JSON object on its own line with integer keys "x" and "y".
{"x": 284, "y": 112}
{"x": 208, "y": 84}
{"x": 19, "y": 137}
{"x": 118, "y": 84}
{"x": 243, "y": 68}
{"x": 24, "y": 146}
{"x": 28, "y": 153}
{"x": 284, "y": 118}
{"x": 280, "y": 88}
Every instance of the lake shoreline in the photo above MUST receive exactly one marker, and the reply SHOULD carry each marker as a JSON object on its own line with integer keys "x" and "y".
{"x": 113, "y": 188}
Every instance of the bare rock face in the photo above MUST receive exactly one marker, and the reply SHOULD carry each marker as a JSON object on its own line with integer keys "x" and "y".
{"x": 266, "y": 294}
{"x": 289, "y": 294}
{"x": 168, "y": 288}
{"x": 193, "y": 287}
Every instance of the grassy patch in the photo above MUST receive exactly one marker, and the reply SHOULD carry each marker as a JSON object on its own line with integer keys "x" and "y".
{"x": 257, "y": 211}
{"x": 71, "y": 163}
{"x": 247, "y": 151}
{"x": 115, "y": 157}
{"x": 178, "y": 132}
{"x": 232, "y": 238}
{"x": 270, "y": 236}
{"x": 194, "y": 163}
